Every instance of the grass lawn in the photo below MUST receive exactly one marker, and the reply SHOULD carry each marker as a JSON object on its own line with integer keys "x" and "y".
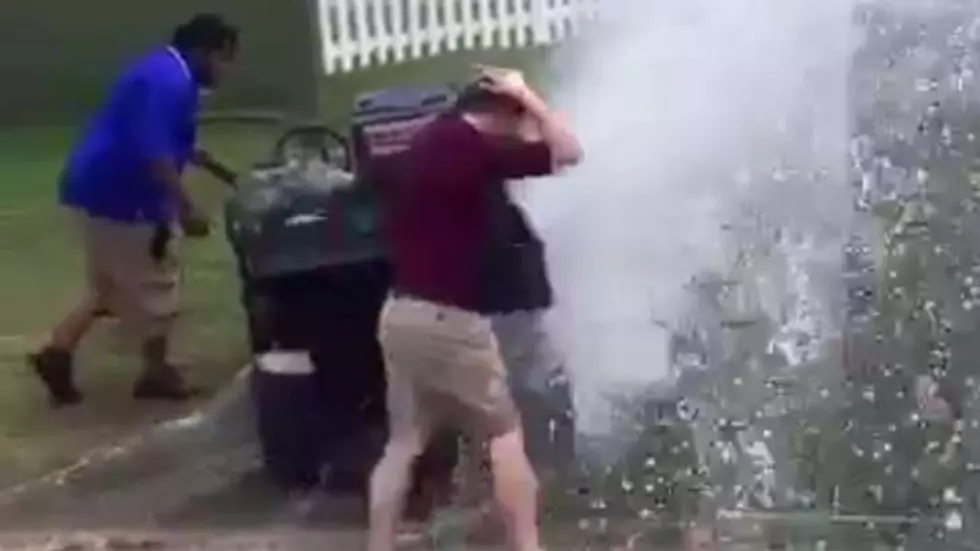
{"x": 41, "y": 277}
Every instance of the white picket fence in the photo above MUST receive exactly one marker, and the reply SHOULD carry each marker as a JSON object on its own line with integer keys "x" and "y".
{"x": 361, "y": 33}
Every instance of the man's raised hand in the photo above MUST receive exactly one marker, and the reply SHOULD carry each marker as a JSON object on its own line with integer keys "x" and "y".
{"x": 501, "y": 80}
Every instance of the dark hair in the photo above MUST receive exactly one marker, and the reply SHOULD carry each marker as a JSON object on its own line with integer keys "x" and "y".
{"x": 474, "y": 98}
{"x": 206, "y": 31}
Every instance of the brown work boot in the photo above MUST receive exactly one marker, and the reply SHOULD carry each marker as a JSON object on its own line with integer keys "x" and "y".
{"x": 54, "y": 367}
{"x": 165, "y": 383}
{"x": 160, "y": 380}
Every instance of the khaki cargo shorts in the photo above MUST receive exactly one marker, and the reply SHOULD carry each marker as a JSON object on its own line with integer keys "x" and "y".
{"x": 443, "y": 369}
{"x": 124, "y": 277}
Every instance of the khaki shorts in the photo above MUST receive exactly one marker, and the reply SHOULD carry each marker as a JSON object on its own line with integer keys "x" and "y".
{"x": 444, "y": 369}
{"x": 126, "y": 279}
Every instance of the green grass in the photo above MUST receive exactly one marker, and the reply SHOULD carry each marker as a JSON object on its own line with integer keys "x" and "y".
{"x": 42, "y": 277}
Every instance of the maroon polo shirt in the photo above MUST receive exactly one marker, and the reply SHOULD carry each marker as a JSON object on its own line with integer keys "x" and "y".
{"x": 438, "y": 213}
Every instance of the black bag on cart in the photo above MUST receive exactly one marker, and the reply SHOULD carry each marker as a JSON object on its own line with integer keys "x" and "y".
{"x": 312, "y": 262}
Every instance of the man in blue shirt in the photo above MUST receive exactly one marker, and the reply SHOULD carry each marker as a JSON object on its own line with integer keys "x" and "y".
{"x": 123, "y": 182}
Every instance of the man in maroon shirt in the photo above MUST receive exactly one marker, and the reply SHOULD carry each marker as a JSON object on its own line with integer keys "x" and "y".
{"x": 442, "y": 359}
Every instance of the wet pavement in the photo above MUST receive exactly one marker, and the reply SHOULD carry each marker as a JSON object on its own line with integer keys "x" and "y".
{"x": 790, "y": 531}
{"x": 334, "y": 540}
{"x": 340, "y": 540}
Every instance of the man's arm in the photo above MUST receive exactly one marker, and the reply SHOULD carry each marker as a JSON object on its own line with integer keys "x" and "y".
{"x": 153, "y": 113}
{"x": 164, "y": 170}
{"x": 564, "y": 145}
{"x": 512, "y": 159}
{"x": 155, "y": 109}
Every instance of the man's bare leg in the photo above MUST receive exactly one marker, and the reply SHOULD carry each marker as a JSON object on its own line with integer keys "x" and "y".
{"x": 516, "y": 490}
{"x": 68, "y": 334}
{"x": 388, "y": 488}
{"x": 53, "y": 362}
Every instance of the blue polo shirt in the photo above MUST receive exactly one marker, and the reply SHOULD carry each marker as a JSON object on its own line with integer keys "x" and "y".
{"x": 151, "y": 112}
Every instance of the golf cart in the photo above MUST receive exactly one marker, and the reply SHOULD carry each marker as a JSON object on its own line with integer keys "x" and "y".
{"x": 306, "y": 230}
